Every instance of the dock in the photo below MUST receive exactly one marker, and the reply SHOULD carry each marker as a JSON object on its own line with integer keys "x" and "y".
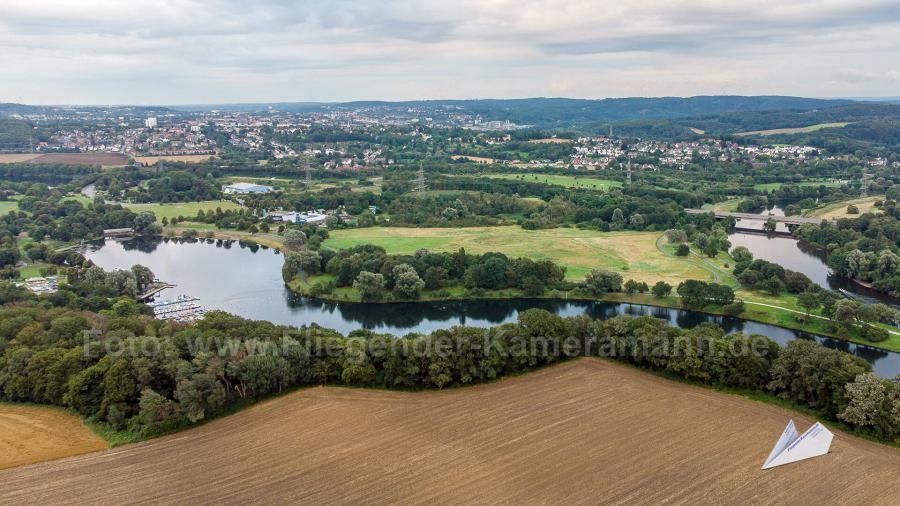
{"x": 153, "y": 289}
{"x": 183, "y": 309}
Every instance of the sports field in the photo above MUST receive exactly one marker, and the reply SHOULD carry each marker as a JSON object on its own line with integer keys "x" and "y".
{"x": 837, "y": 210}
{"x": 186, "y": 209}
{"x": 584, "y": 432}
{"x": 559, "y": 180}
{"x": 633, "y": 254}
{"x": 30, "y": 434}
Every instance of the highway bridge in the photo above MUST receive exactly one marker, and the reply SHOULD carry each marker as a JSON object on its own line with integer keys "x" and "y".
{"x": 790, "y": 220}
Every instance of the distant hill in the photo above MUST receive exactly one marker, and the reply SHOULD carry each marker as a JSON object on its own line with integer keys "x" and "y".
{"x": 15, "y": 134}
{"x": 541, "y": 112}
{"x": 558, "y": 112}
{"x": 749, "y": 121}
{"x": 10, "y": 109}
{"x": 250, "y": 107}
{"x": 550, "y": 112}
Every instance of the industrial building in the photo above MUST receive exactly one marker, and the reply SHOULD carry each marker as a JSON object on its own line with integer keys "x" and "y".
{"x": 246, "y": 188}
{"x": 308, "y": 217}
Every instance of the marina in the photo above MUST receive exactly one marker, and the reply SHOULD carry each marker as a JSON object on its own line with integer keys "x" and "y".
{"x": 182, "y": 309}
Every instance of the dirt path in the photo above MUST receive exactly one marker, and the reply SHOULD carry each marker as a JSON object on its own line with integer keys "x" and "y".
{"x": 30, "y": 434}
{"x": 587, "y": 431}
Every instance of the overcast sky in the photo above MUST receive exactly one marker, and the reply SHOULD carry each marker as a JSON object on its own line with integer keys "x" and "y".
{"x": 219, "y": 51}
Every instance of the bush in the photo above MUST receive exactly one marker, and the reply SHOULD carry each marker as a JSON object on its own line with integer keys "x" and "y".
{"x": 735, "y": 308}
{"x": 875, "y": 334}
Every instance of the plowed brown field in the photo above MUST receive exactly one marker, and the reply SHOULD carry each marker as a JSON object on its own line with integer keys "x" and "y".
{"x": 586, "y": 431}
{"x": 31, "y": 434}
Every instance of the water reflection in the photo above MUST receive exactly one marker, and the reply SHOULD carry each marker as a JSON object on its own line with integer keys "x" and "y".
{"x": 246, "y": 280}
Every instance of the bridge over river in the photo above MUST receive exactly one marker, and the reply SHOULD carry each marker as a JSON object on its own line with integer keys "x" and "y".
{"x": 790, "y": 220}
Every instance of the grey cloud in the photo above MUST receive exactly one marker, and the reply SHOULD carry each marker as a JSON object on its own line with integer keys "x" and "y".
{"x": 405, "y": 46}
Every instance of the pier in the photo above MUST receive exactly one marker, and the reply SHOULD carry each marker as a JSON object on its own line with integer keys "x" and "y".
{"x": 153, "y": 289}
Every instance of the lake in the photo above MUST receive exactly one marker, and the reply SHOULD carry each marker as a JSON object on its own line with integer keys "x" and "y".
{"x": 246, "y": 280}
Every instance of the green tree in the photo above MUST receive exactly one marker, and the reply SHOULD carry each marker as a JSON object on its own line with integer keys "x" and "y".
{"x": 599, "y": 281}
{"x": 662, "y": 289}
{"x": 370, "y": 285}
{"x": 809, "y": 301}
{"x": 407, "y": 283}
{"x": 741, "y": 254}
{"x": 435, "y": 277}
{"x": 294, "y": 239}
{"x": 532, "y": 286}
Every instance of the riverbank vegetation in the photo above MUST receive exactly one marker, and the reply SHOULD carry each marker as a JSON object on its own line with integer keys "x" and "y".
{"x": 865, "y": 248}
{"x": 186, "y": 374}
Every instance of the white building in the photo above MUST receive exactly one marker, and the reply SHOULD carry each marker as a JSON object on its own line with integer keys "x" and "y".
{"x": 310, "y": 217}
{"x": 246, "y": 188}
{"x": 150, "y": 122}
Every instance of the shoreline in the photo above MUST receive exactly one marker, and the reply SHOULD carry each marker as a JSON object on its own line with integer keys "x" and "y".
{"x": 762, "y": 314}
{"x": 670, "y": 302}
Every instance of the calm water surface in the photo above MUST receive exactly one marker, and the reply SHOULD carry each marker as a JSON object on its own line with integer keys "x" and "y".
{"x": 246, "y": 280}
{"x": 801, "y": 257}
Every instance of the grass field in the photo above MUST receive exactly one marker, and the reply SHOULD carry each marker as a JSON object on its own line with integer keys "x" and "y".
{"x": 800, "y": 130}
{"x": 8, "y": 205}
{"x": 584, "y": 432}
{"x": 567, "y": 181}
{"x": 837, "y": 210}
{"x": 769, "y": 187}
{"x": 152, "y": 160}
{"x": 633, "y": 254}
{"x": 185, "y": 209}
{"x": 85, "y": 201}
{"x": 729, "y": 205}
{"x": 30, "y": 434}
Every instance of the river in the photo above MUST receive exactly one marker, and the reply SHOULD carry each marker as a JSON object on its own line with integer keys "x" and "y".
{"x": 246, "y": 280}
{"x": 797, "y": 256}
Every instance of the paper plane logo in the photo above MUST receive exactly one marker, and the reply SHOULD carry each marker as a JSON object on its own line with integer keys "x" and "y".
{"x": 792, "y": 447}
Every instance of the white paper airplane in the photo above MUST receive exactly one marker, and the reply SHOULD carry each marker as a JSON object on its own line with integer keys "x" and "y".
{"x": 792, "y": 447}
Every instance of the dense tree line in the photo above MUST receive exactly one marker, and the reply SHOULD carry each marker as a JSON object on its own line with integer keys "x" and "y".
{"x": 45, "y": 214}
{"x": 459, "y": 209}
{"x": 378, "y": 276}
{"x": 150, "y": 376}
{"x": 143, "y": 185}
{"x": 54, "y": 174}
